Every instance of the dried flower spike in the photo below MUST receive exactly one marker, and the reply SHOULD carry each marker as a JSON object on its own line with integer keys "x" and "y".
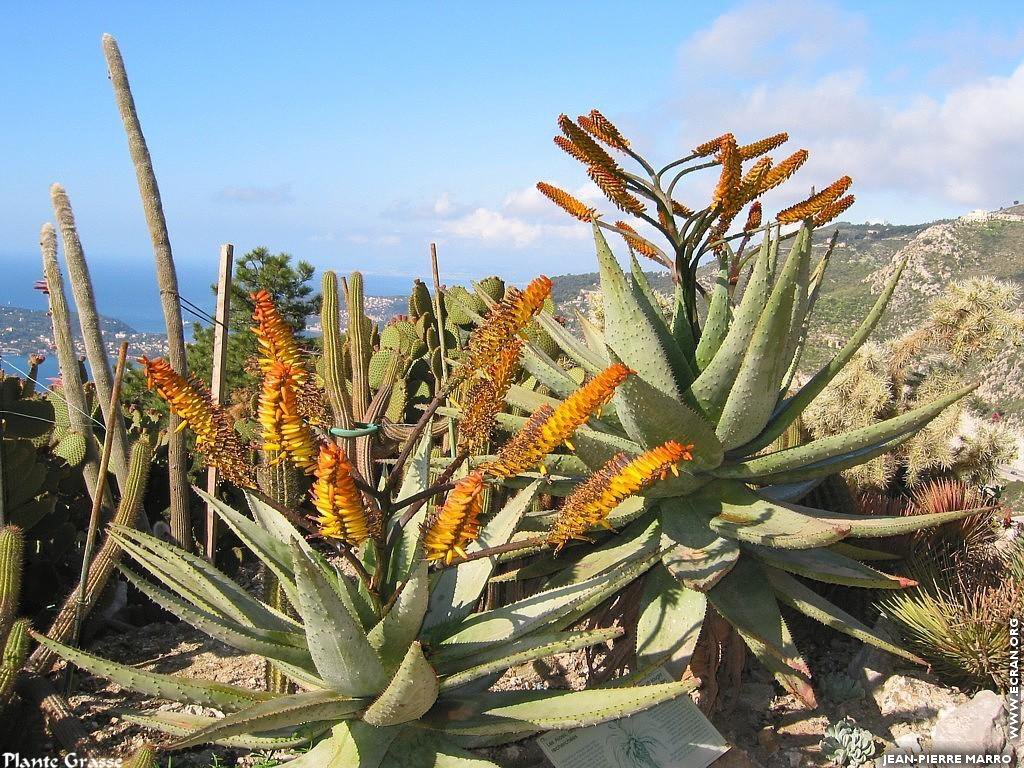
{"x": 342, "y": 513}
{"x": 283, "y": 428}
{"x": 484, "y": 397}
{"x": 276, "y": 338}
{"x": 758, "y": 148}
{"x": 457, "y": 522}
{"x": 753, "y": 217}
{"x": 549, "y": 427}
{"x": 815, "y": 203}
{"x": 590, "y": 503}
{"x": 566, "y": 202}
{"x": 215, "y": 437}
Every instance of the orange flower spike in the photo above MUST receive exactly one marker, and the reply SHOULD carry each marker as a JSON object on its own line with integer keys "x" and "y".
{"x": 336, "y": 497}
{"x": 639, "y": 244}
{"x": 278, "y": 413}
{"x": 590, "y": 503}
{"x": 758, "y": 148}
{"x": 753, "y": 217}
{"x": 712, "y": 145}
{"x": 275, "y": 336}
{"x": 505, "y": 321}
{"x": 783, "y": 170}
{"x": 566, "y": 202}
{"x": 832, "y": 210}
{"x": 600, "y": 127}
{"x": 815, "y": 203}
{"x": 485, "y": 396}
{"x": 457, "y": 522}
{"x": 728, "y": 187}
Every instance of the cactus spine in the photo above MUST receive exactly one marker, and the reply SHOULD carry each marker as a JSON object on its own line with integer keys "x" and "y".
{"x": 72, "y": 388}
{"x": 143, "y": 757}
{"x": 167, "y": 279}
{"x": 360, "y": 331}
{"x": 15, "y": 651}
{"x": 12, "y": 552}
{"x": 89, "y": 320}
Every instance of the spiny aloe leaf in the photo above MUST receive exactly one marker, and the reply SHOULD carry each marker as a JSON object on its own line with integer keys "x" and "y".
{"x": 416, "y": 748}
{"x": 524, "y": 650}
{"x": 738, "y": 513}
{"x": 597, "y": 448}
{"x": 408, "y": 550}
{"x": 352, "y": 744}
{"x": 539, "y": 365}
{"x": 411, "y": 692}
{"x": 183, "y": 723}
{"x": 206, "y": 693}
{"x": 574, "y": 349}
{"x": 754, "y": 393}
{"x": 288, "y": 647}
{"x": 526, "y": 712}
{"x": 184, "y": 571}
{"x": 457, "y": 590}
{"x": 642, "y": 342}
{"x": 682, "y": 331}
{"x": 793, "y": 592}
{"x": 274, "y": 523}
{"x": 802, "y": 316}
{"x": 337, "y": 644}
{"x": 797, "y": 321}
{"x": 792, "y": 407}
{"x": 289, "y": 711}
{"x": 862, "y": 553}
{"x": 391, "y": 637}
{"x": 643, "y": 293}
{"x": 594, "y": 339}
{"x": 717, "y": 324}
{"x": 828, "y": 566}
{"x": 696, "y": 556}
{"x": 780, "y": 465}
{"x": 639, "y": 540}
{"x": 880, "y": 526}
{"x": 713, "y": 385}
{"x": 670, "y": 620}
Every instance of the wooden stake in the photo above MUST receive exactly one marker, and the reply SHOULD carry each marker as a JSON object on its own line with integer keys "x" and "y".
{"x": 441, "y": 340}
{"x": 220, "y": 352}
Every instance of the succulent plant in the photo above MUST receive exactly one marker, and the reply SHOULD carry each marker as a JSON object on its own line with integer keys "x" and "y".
{"x": 847, "y": 745}
{"x": 727, "y": 530}
{"x": 839, "y": 687}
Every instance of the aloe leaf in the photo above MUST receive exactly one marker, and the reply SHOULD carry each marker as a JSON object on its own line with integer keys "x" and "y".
{"x": 797, "y": 462}
{"x": 274, "y": 523}
{"x": 206, "y": 693}
{"x": 642, "y": 342}
{"x": 642, "y": 291}
{"x": 829, "y": 566}
{"x": 792, "y": 407}
{"x": 794, "y": 593}
{"x": 651, "y": 417}
{"x": 352, "y": 744}
{"x": 282, "y": 712}
{"x": 717, "y": 324}
{"x": 525, "y": 712}
{"x": 594, "y": 339}
{"x": 799, "y": 339}
{"x": 798, "y": 320}
{"x": 682, "y": 331}
{"x": 457, "y": 590}
{"x": 337, "y": 644}
{"x": 788, "y": 491}
{"x": 550, "y": 609}
{"x": 574, "y": 349}
{"x": 696, "y": 556}
{"x": 739, "y": 513}
{"x": 535, "y": 362}
{"x": 411, "y": 692}
{"x": 670, "y": 620}
{"x": 417, "y": 748}
{"x": 638, "y": 541}
{"x": 881, "y": 526}
{"x": 754, "y": 393}
{"x": 712, "y": 387}
{"x": 183, "y": 723}
{"x": 527, "y": 649}
{"x": 288, "y": 647}
{"x": 745, "y": 599}
{"x": 595, "y": 448}
{"x": 407, "y": 551}
{"x": 862, "y": 553}
{"x": 391, "y": 637}
{"x": 185, "y": 572}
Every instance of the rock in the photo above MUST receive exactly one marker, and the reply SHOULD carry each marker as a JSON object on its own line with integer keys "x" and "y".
{"x": 735, "y": 758}
{"x": 907, "y": 744}
{"x": 911, "y": 699}
{"x": 974, "y": 727}
{"x": 870, "y": 666}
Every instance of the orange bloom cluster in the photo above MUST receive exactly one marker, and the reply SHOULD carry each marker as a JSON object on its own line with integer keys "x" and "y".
{"x": 484, "y": 397}
{"x": 215, "y": 438}
{"x": 566, "y": 202}
{"x": 512, "y": 314}
{"x": 275, "y": 336}
{"x": 783, "y": 170}
{"x": 336, "y": 497}
{"x": 284, "y": 430}
{"x": 681, "y": 210}
{"x": 758, "y": 148}
{"x": 832, "y": 210}
{"x": 750, "y": 184}
{"x": 815, "y": 203}
{"x": 753, "y": 217}
{"x": 590, "y": 149}
{"x": 591, "y": 502}
{"x": 600, "y": 127}
{"x": 728, "y": 187}
{"x": 639, "y": 244}
{"x": 549, "y": 427}
{"x": 457, "y": 522}
{"x": 712, "y": 145}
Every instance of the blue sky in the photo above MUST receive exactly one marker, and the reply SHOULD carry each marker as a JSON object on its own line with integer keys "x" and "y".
{"x": 354, "y": 134}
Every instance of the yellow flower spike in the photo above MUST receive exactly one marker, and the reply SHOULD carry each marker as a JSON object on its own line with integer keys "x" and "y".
{"x": 457, "y": 522}
{"x": 484, "y": 398}
{"x": 342, "y": 513}
{"x": 512, "y": 314}
{"x": 750, "y": 184}
{"x": 566, "y": 202}
{"x": 591, "y": 502}
{"x": 278, "y": 414}
{"x": 550, "y": 427}
{"x": 215, "y": 438}
{"x": 275, "y": 336}
{"x": 815, "y": 203}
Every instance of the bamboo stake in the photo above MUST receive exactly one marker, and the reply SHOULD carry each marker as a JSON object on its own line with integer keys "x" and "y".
{"x": 167, "y": 279}
{"x": 220, "y": 353}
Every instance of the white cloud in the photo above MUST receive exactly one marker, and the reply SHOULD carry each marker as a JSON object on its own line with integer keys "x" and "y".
{"x": 495, "y": 227}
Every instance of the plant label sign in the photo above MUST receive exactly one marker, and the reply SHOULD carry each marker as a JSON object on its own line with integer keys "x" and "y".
{"x": 671, "y": 735}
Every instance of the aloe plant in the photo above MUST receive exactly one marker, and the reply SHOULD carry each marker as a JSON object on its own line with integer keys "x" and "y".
{"x": 728, "y": 531}
{"x": 393, "y": 667}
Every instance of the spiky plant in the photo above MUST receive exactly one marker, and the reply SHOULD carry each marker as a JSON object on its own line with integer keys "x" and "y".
{"x": 727, "y": 530}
